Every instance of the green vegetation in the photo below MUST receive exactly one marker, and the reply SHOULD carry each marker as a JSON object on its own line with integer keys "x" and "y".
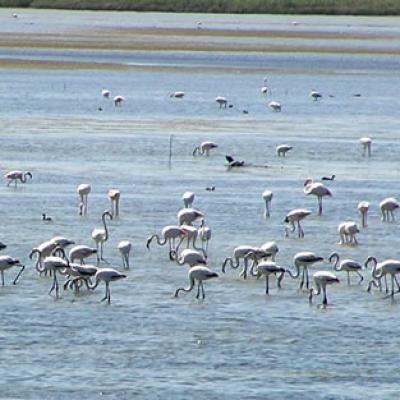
{"x": 334, "y": 7}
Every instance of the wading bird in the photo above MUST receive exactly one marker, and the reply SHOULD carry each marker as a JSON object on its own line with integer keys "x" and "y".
{"x": 316, "y": 189}
{"x": 222, "y": 101}
{"x": 83, "y": 191}
{"x": 114, "y": 195}
{"x": 321, "y": 280}
{"x": 268, "y": 268}
{"x": 347, "y": 232}
{"x": 118, "y": 100}
{"x": 267, "y": 196}
{"x": 363, "y": 207}
{"x": 188, "y": 198}
{"x": 282, "y": 149}
{"x": 304, "y": 260}
{"x": 239, "y": 253}
{"x": 81, "y": 252}
{"x": 296, "y": 215}
{"x": 315, "y": 95}
{"x": 347, "y": 265}
{"x": 188, "y": 256}
{"x": 188, "y": 215}
{"x": 107, "y": 275}
{"x": 387, "y": 207}
{"x": 366, "y": 143}
{"x": 124, "y": 247}
{"x": 15, "y": 176}
{"x": 204, "y": 148}
{"x": 169, "y": 234}
{"x": 275, "y": 106}
{"x": 380, "y": 270}
{"x": 7, "y": 262}
{"x": 100, "y": 235}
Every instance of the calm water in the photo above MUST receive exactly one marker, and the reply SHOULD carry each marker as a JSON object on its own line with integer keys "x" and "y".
{"x": 238, "y": 343}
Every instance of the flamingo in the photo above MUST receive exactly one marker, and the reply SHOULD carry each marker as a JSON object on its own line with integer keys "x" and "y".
{"x": 264, "y": 90}
{"x": 296, "y": 215}
{"x": 316, "y": 189}
{"x": 105, "y": 93}
{"x": 81, "y": 252}
{"x": 188, "y": 198}
{"x": 189, "y": 256}
{"x": 222, "y": 101}
{"x": 17, "y": 176}
{"x": 100, "y": 236}
{"x": 347, "y": 265}
{"x": 282, "y": 149}
{"x": 366, "y": 142}
{"x": 347, "y": 232}
{"x": 204, "y": 233}
{"x": 83, "y": 191}
{"x": 107, "y": 275}
{"x": 190, "y": 233}
{"x": 124, "y": 247}
{"x": 321, "y": 280}
{"x": 114, "y": 196}
{"x": 168, "y": 234}
{"x": 177, "y": 95}
{"x": 79, "y": 273}
{"x": 118, "y": 100}
{"x": 43, "y": 250}
{"x": 388, "y": 206}
{"x": 363, "y": 207}
{"x": 267, "y": 196}
{"x": 204, "y": 148}
{"x": 53, "y": 264}
{"x": 238, "y": 253}
{"x": 7, "y": 262}
{"x": 188, "y": 215}
{"x": 315, "y": 95}
{"x": 257, "y": 255}
{"x": 61, "y": 241}
{"x": 197, "y": 273}
{"x": 304, "y": 260}
{"x": 275, "y": 106}
{"x": 272, "y": 248}
{"x": 268, "y": 268}
{"x": 387, "y": 267}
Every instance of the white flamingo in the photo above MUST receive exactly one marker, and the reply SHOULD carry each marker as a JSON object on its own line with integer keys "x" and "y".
{"x": 222, "y": 101}
{"x": 83, "y": 191}
{"x": 61, "y": 241}
{"x": 304, "y": 260}
{"x": 114, "y": 196}
{"x": 15, "y": 176}
{"x": 100, "y": 235}
{"x": 197, "y": 273}
{"x": 124, "y": 247}
{"x": 79, "y": 273}
{"x": 169, "y": 234}
{"x": 296, "y": 215}
{"x": 239, "y": 253}
{"x": 347, "y": 232}
{"x": 190, "y": 233}
{"x": 188, "y": 215}
{"x": 53, "y": 264}
{"x": 7, "y": 262}
{"x": 107, "y": 275}
{"x": 105, "y": 93}
{"x": 387, "y": 267}
{"x": 268, "y": 268}
{"x": 177, "y": 95}
{"x": 366, "y": 143}
{"x": 81, "y": 252}
{"x": 204, "y": 234}
{"x": 387, "y": 207}
{"x": 42, "y": 251}
{"x": 282, "y": 149}
{"x": 321, "y": 280}
{"x": 204, "y": 148}
{"x": 315, "y": 95}
{"x": 189, "y": 256}
{"x": 267, "y": 195}
{"x": 272, "y": 248}
{"x": 347, "y": 265}
{"x": 188, "y": 198}
{"x": 316, "y": 189}
{"x": 257, "y": 255}
{"x": 275, "y": 106}
{"x": 363, "y": 207}
{"x": 118, "y": 100}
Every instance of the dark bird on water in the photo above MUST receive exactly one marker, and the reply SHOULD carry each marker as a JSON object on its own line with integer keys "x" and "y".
{"x": 327, "y": 178}
{"x": 233, "y": 163}
{"x": 210, "y": 188}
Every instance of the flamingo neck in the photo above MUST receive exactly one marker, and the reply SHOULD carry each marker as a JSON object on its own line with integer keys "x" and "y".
{"x": 188, "y": 289}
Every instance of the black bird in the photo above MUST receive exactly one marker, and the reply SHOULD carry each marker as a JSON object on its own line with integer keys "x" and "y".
{"x": 210, "y": 188}
{"x": 233, "y": 163}
{"x": 46, "y": 218}
{"x": 327, "y": 178}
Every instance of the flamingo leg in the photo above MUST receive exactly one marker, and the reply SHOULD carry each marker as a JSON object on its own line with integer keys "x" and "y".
{"x": 325, "y": 300}
{"x": 127, "y": 261}
{"x": 361, "y": 277}
{"x": 266, "y": 284}
{"x": 198, "y": 290}
{"x": 52, "y": 286}
{"x": 302, "y": 279}
{"x": 348, "y": 278}
{"x": 319, "y": 205}
{"x": 2, "y": 278}
{"x": 202, "y": 289}
{"x": 307, "y": 279}
{"x": 106, "y": 295}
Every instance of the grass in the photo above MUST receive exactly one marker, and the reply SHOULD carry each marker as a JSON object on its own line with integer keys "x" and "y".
{"x": 331, "y": 7}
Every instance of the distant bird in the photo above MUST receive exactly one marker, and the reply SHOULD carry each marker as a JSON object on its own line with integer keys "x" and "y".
{"x": 366, "y": 142}
{"x": 268, "y": 268}
{"x": 7, "y": 262}
{"x": 347, "y": 265}
{"x": 222, "y": 101}
{"x": 186, "y": 216}
{"x": 100, "y": 235}
{"x": 296, "y": 215}
{"x": 124, "y": 247}
{"x": 14, "y": 15}
{"x": 267, "y": 196}
{"x": 114, "y": 195}
{"x": 232, "y": 163}
{"x": 316, "y": 189}
{"x": 118, "y": 100}
{"x": 2, "y": 246}
{"x": 275, "y": 106}
{"x": 204, "y": 148}
{"x": 304, "y": 260}
{"x": 188, "y": 198}
{"x": 328, "y": 178}
{"x": 315, "y": 95}
{"x": 105, "y": 93}
{"x": 107, "y": 275}
{"x": 264, "y": 90}
{"x": 83, "y": 191}
{"x": 15, "y": 176}
{"x": 210, "y": 188}
{"x": 197, "y": 273}
{"x": 81, "y": 252}
{"x": 282, "y": 149}
{"x": 387, "y": 207}
{"x": 177, "y": 95}
{"x": 321, "y": 280}
{"x": 46, "y": 218}
{"x": 363, "y": 207}
{"x": 347, "y": 232}
{"x": 245, "y": 111}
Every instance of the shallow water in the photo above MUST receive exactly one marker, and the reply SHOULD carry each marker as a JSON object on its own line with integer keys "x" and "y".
{"x": 238, "y": 343}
